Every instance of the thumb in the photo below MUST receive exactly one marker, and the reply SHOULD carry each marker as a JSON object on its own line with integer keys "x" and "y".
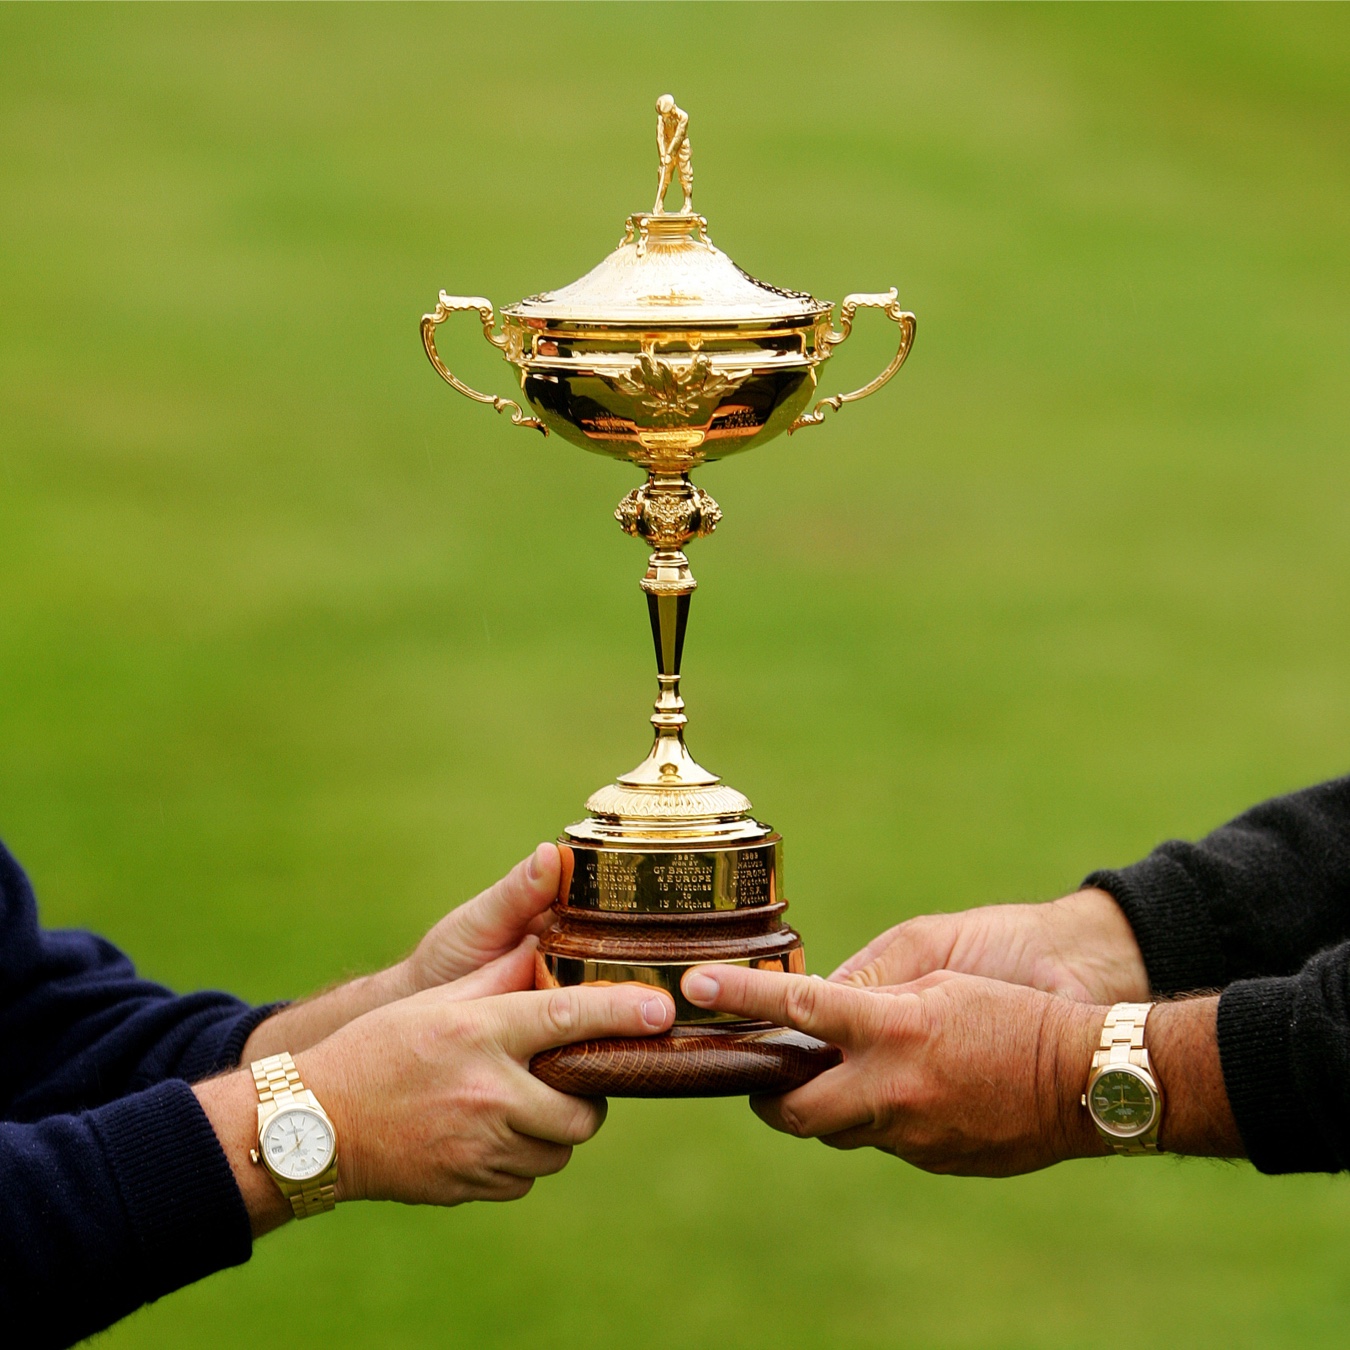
{"x": 531, "y": 1022}
{"x": 493, "y": 922}
{"x": 903, "y": 953}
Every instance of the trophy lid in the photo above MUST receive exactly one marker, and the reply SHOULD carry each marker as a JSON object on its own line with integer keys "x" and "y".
{"x": 666, "y": 270}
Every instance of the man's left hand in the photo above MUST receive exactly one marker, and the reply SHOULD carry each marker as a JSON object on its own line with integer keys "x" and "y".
{"x": 505, "y": 918}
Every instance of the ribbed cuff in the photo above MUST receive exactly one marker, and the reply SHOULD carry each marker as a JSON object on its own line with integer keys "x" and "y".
{"x": 218, "y": 1047}
{"x": 176, "y": 1186}
{"x": 1178, "y": 940}
{"x": 1256, "y": 1049}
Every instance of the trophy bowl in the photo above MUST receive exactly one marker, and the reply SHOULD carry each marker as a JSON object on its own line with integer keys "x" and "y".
{"x": 668, "y": 355}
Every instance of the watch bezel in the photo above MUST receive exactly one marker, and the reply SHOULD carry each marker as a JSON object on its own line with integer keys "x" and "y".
{"x": 1155, "y": 1096}
{"x": 305, "y": 1108}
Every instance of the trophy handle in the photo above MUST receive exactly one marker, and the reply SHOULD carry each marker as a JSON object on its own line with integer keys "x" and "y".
{"x": 452, "y": 304}
{"x": 887, "y": 301}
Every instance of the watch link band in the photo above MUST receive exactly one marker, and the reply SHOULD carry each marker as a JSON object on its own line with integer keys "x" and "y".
{"x": 278, "y": 1081}
{"x": 1123, "y": 1043}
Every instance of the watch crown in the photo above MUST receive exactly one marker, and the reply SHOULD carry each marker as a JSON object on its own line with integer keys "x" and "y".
{"x": 253, "y": 1155}
{"x": 1082, "y": 1099}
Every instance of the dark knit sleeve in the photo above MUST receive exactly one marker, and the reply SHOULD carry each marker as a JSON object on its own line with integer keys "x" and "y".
{"x": 1285, "y": 1047}
{"x": 1257, "y": 897}
{"x": 80, "y": 1028}
{"x": 103, "y": 1211}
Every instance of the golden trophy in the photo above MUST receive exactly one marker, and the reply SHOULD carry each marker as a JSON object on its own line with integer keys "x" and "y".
{"x": 667, "y": 355}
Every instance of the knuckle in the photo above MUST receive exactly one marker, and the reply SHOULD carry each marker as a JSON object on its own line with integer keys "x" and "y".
{"x": 792, "y": 1121}
{"x": 585, "y": 1123}
{"x": 803, "y": 1000}
{"x": 483, "y": 1095}
{"x": 558, "y": 1158}
{"x": 561, "y": 1011}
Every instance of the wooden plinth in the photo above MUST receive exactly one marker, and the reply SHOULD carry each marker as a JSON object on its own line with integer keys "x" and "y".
{"x": 707, "y": 1061}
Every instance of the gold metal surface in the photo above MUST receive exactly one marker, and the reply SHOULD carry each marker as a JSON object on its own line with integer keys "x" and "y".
{"x": 667, "y": 355}
{"x": 554, "y": 972}
{"x": 672, "y": 145}
{"x": 670, "y": 879}
{"x": 1123, "y": 1051}
{"x": 453, "y": 304}
{"x": 889, "y": 303}
{"x": 277, "y": 1081}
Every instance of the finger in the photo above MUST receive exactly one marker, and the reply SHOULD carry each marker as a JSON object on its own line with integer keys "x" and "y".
{"x": 867, "y": 955}
{"x": 515, "y": 905}
{"x": 531, "y": 1022}
{"x": 498, "y": 1186}
{"x": 557, "y": 1117}
{"x": 835, "y": 1012}
{"x": 914, "y": 948}
{"x": 527, "y": 1157}
{"x": 826, "y": 1105}
{"x": 865, "y": 1136}
{"x": 506, "y": 975}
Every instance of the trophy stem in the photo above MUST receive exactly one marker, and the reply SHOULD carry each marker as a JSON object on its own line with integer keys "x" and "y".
{"x": 668, "y": 511}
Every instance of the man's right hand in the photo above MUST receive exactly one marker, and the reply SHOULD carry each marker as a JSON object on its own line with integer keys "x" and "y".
{"x": 1081, "y": 946}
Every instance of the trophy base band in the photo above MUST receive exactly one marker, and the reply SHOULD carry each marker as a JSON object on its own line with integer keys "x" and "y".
{"x": 644, "y": 901}
{"x": 688, "y": 1061}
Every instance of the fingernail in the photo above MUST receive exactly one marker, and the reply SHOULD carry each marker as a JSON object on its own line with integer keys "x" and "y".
{"x": 700, "y": 988}
{"x": 655, "y": 1012}
{"x": 535, "y": 868}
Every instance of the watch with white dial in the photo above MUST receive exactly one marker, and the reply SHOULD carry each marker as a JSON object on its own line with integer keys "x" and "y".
{"x": 1123, "y": 1097}
{"x": 297, "y": 1143}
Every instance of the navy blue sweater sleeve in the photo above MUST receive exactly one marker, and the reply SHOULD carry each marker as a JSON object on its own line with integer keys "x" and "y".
{"x": 113, "y": 1186}
{"x": 106, "y": 1210}
{"x": 1260, "y": 908}
{"x": 79, "y": 1028}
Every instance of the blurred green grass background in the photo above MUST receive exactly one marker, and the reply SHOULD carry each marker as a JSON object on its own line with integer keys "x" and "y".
{"x": 297, "y": 648}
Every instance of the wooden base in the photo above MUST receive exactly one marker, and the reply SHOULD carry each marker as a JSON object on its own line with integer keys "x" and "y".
{"x": 706, "y": 1061}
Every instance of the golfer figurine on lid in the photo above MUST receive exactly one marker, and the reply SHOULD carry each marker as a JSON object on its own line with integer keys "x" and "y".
{"x": 668, "y": 356}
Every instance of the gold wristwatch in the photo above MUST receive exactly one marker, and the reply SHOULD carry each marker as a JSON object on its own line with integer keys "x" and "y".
{"x": 297, "y": 1143}
{"x": 1123, "y": 1097}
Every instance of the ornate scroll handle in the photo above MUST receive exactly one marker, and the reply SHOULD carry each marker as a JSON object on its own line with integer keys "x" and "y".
{"x": 452, "y": 304}
{"x": 889, "y": 302}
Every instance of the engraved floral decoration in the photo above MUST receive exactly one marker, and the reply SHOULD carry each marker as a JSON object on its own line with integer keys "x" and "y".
{"x": 673, "y": 391}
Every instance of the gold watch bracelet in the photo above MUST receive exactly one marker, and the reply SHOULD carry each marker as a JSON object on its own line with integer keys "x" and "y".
{"x": 1123, "y": 1043}
{"x": 278, "y": 1080}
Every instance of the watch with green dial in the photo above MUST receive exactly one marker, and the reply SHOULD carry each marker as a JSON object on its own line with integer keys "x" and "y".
{"x": 1123, "y": 1097}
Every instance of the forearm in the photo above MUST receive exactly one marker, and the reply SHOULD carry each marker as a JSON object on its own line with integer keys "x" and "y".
{"x": 300, "y": 1025}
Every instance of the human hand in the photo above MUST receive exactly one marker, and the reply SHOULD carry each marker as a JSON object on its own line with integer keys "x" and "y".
{"x": 490, "y": 925}
{"x": 953, "y": 1073}
{"x": 1081, "y": 946}
{"x": 479, "y": 931}
{"x": 432, "y": 1096}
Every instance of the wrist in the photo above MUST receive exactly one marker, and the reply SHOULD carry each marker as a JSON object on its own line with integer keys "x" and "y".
{"x": 1070, "y": 1032}
{"x": 231, "y": 1105}
{"x": 1112, "y": 965}
{"x": 326, "y": 1072}
{"x": 300, "y": 1025}
{"x": 1183, "y": 1044}
{"x": 400, "y": 980}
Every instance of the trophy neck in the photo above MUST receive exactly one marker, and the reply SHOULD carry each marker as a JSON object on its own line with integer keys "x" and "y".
{"x": 669, "y": 790}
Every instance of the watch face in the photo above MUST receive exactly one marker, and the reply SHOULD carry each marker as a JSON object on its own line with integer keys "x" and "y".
{"x": 298, "y": 1143}
{"x": 1122, "y": 1102}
